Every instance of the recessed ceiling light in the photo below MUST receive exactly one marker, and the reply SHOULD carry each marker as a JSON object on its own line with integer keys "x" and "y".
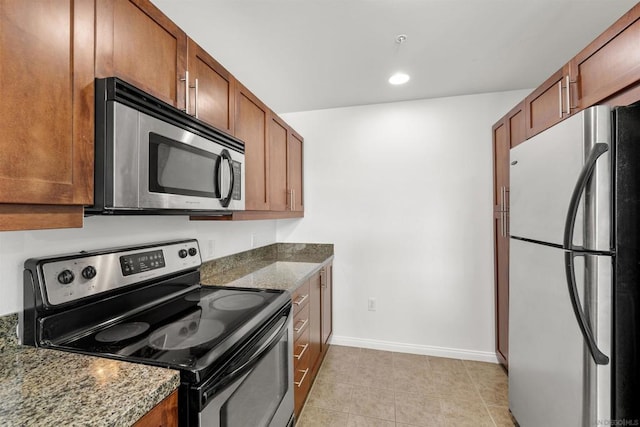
{"x": 399, "y": 79}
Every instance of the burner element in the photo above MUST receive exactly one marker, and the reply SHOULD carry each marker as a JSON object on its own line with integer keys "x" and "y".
{"x": 237, "y": 302}
{"x": 186, "y": 334}
{"x": 122, "y": 332}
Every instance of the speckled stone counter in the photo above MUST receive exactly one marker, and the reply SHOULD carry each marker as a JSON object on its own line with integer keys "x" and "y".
{"x": 54, "y": 388}
{"x": 279, "y": 266}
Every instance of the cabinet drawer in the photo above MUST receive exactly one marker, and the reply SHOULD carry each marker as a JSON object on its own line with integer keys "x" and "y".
{"x": 300, "y": 297}
{"x": 301, "y": 381}
{"x": 301, "y": 323}
{"x": 301, "y": 348}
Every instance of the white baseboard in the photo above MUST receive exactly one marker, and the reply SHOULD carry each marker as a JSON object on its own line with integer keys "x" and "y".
{"x": 453, "y": 353}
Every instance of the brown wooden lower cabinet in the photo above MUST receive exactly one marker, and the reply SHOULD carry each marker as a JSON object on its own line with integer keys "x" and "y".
{"x": 311, "y": 303}
{"x": 164, "y": 414}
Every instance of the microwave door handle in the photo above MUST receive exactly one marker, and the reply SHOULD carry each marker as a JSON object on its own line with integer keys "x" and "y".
{"x": 217, "y": 178}
{"x": 226, "y": 200}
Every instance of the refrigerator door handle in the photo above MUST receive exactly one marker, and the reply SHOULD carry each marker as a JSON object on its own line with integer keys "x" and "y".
{"x": 586, "y": 172}
{"x": 581, "y": 184}
{"x": 598, "y": 356}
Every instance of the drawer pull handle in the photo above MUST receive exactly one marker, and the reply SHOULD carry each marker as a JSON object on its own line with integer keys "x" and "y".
{"x": 304, "y": 375}
{"x": 304, "y": 348}
{"x": 301, "y": 299}
{"x": 301, "y": 327}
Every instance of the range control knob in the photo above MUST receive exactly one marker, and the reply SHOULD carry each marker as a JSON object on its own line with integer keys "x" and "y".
{"x": 193, "y": 251}
{"x": 89, "y": 272}
{"x": 182, "y": 253}
{"x": 66, "y": 277}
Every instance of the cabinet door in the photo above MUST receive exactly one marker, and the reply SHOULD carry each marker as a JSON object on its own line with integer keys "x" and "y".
{"x": 279, "y": 195}
{"x": 164, "y": 414}
{"x": 516, "y": 127}
{"x": 501, "y": 237}
{"x": 315, "y": 322}
{"x": 251, "y": 127}
{"x": 610, "y": 63}
{"x": 327, "y": 305}
{"x": 295, "y": 170}
{"x": 211, "y": 89}
{"x": 548, "y": 104}
{"x": 46, "y": 113}
{"x": 138, "y": 43}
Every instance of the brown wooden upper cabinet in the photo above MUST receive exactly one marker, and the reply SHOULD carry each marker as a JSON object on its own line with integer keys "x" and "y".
{"x": 610, "y": 63}
{"x": 46, "y": 113}
{"x": 138, "y": 43}
{"x": 548, "y": 104}
{"x": 295, "y": 171}
{"x": 516, "y": 126}
{"x": 211, "y": 89}
{"x": 279, "y": 193}
{"x": 285, "y": 167}
{"x": 251, "y": 126}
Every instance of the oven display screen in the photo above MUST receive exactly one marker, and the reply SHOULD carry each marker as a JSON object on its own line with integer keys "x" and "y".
{"x": 144, "y": 261}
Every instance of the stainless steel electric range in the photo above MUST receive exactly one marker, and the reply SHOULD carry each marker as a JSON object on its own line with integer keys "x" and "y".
{"x": 145, "y": 304}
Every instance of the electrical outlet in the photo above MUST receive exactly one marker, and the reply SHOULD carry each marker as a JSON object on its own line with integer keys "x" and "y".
{"x": 373, "y": 304}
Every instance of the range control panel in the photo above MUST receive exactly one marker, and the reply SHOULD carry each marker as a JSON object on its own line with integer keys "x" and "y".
{"x": 71, "y": 277}
{"x": 140, "y": 262}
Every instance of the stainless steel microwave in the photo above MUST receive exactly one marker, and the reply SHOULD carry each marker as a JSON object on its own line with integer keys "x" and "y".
{"x": 153, "y": 158}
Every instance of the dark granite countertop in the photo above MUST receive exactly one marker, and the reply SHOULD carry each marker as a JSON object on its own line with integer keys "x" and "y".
{"x": 51, "y": 387}
{"x": 277, "y": 266}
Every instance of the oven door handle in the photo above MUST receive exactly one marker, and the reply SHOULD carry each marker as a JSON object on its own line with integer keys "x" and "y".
{"x": 247, "y": 362}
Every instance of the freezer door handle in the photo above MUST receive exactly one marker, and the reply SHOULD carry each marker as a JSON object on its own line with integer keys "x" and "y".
{"x": 585, "y": 174}
{"x": 581, "y": 184}
{"x": 598, "y": 356}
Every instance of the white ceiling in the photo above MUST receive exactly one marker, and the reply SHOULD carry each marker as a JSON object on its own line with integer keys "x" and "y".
{"x": 299, "y": 55}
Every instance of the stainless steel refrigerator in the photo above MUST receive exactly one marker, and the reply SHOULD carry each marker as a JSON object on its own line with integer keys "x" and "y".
{"x": 574, "y": 272}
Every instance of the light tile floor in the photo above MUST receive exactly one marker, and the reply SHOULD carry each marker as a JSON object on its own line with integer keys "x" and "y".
{"x": 370, "y": 388}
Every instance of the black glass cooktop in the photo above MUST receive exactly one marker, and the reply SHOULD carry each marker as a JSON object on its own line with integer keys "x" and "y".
{"x": 189, "y": 332}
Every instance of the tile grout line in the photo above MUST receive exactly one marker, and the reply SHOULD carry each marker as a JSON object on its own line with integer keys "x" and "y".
{"x": 477, "y": 387}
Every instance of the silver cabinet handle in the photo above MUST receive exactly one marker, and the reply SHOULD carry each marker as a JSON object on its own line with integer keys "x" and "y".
{"x": 186, "y": 91}
{"x": 293, "y": 199}
{"x": 506, "y": 212}
{"x": 301, "y": 327}
{"x": 300, "y": 299}
{"x": 290, "y": 200}
{"x": 568, "y": 92}
{"x": 560, "y": 98}
{"x": 503, "y": 211}
{"x": 304, "y": 348}
{"x": 195, "y": 99}
{"x": 304, "y": 375}
{"x": 323, "y": 279}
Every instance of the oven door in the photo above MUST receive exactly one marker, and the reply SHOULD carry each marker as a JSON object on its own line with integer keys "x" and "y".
{"x": 256, "y": 389}
{"x": 170, "y": 167}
